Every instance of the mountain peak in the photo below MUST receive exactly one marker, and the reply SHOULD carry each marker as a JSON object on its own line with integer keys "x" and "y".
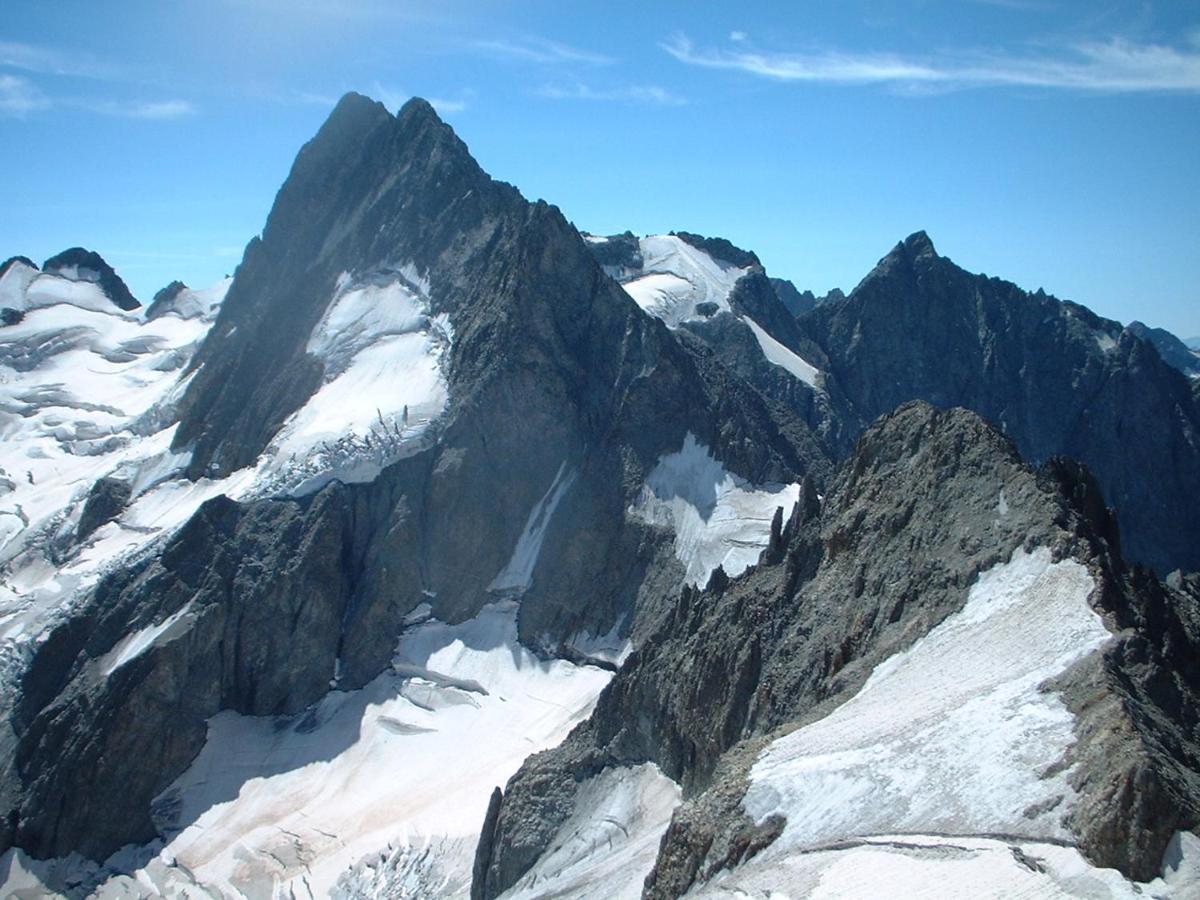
{"x": 351, "y": 119}
{"x": 13, "y": 260}
{"x": 355, "y": 105}
{"x": 903, "y": 259}
{"x": 918, "y": 244}
{"x": 79, "y": 264}
{"x": 417, "y": 108}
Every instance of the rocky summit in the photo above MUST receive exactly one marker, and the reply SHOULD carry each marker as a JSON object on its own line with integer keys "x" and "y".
{"x": 447, "y": 551}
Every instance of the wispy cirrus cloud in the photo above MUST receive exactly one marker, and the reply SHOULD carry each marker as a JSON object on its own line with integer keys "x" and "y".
{"x": 539, "y": 50}
{"x": 1113, "y": 66}
{"x": 650, "y": 94}
{"x": 42, "y": 60}
{"x": 151, "y": 109}
{"x": 393, "y": 99}
{"x": 19, "y": 96}
{"x": 1020, "y": 5}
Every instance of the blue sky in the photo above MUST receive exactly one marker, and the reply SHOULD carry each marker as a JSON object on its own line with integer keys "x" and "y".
{"x": 1053, "y": 143}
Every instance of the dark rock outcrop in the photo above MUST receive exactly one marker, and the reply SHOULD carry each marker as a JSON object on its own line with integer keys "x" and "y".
{"x": 720, "y": 249}
{"x": 909, "y": 523}
{"x": 794, "y": 301}
{"x": 1059, "y": 380}
{"x": 105, "y": 501}
{"x": 256, "y": 595}
{"x": 8, "y": 263}
{"x": 800, "y": 302}
{"x": 164, "y": 299}
{"x": 1173, "y": 351}
{"x": 88, "y": 265}
{"x": 618, "y": 251}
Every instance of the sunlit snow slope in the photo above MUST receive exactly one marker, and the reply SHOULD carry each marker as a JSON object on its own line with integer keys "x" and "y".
{"x": 718, "y": 519}
{"x": 89, "y": 391}
{"x": 944, "y": 775}
{"x": 680, "y": 283}
{"x": 86, "y": 391}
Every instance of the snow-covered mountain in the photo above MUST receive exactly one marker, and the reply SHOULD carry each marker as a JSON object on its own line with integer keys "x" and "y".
{"x": 87, "y": 406}
{"x": 444, "y": 551}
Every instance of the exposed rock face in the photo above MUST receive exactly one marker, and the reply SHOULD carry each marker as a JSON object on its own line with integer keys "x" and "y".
{"x": 618, "y": 252}
{"x": 252, "y": 599}
{"x": 8, "y": 263}
{"x": 557, "y": 380}
{"x": 105, "y": 501}
{"x": 1056, "y": 378}
{"x": 794, "y": 301}
{"x": 79, "y": 264}
{"x": 164, "y": 299}
{"x": 1173, "y": 351}
{"x": 800, "y": 302}
{"x": 721, "y": 249}
{"x": 912, "y": 518}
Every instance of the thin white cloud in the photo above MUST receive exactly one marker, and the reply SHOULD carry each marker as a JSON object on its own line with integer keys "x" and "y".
{"x": 153, "y": 109}
{"x": 446, "y": 105}
{"x": 1116, "y": 66}
{"x": 390, "y": 97}
{"x": 393, "y": 99}
{"x": 307, "y": 98}
{"x": 19, "y": 96}
{"x": 1023, "y": 5}
{"x": 737, "y": 36}
{"x": 539, "y": 50}
{"x": 342, "y": 10}
{"x": 650, "y": 94}
{"x": 47, "y": 61}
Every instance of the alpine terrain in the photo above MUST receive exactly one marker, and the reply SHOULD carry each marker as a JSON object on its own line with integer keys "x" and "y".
{"x": 447, "y": 551}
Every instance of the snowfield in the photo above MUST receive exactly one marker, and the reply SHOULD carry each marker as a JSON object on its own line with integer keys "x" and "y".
{"x": 383, "y": 386}
{"x": 936, "y": 867}
{"x": 718, "y": 519}
{"x": 379, "y": 792}
{"x": 948, "y": 744}
{"x": 605, "y": 850}
{"x": 676, "y": 277}
{"x": 680, "y": 283}
{"x": 88, "y": 390}
{"x": 954, "y": 734}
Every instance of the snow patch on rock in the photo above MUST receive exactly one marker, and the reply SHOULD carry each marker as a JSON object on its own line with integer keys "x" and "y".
{"x": 375, "y": 792}
{"x": 718, "y": 519}
{"x": 676, "y": 277}
{"x": 608, "y": 845}
{"x": 134, "y": 645}
{"x": 384, "y": 386}
{"x": 781, "y": 356}
{"x": 680, "y": 283}
{"x": 516, "y": 577}
{"x": 930, "y": 867}
{"x": 954, "y": 735}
